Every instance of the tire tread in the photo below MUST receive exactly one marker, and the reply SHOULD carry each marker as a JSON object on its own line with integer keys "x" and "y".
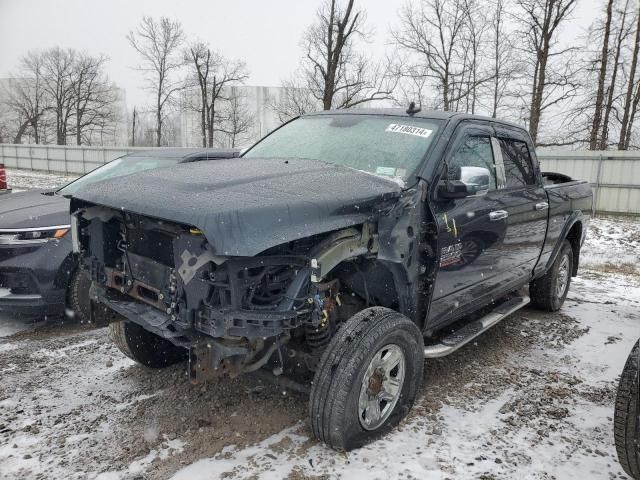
{"x": 542, "y": 290}
{"x": 348, "y": 349}
{"x": 626, "y": 414}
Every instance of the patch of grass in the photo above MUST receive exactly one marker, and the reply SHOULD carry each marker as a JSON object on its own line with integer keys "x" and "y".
{"x": 625, "y": 268}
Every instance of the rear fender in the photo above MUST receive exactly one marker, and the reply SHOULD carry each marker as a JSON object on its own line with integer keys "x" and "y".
{"x": 576, "y": 218}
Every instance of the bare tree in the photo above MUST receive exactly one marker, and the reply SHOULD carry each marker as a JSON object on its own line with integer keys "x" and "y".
{"x": 433, "y": 33}
{"x": 58, "y": 77}
{"x": 94, "y": 97}
{"x": 475, "y": 43}
{"x": 159, "y": 43}
{"x": 64, "y": 87}
{"x": 504, "y": 67}
{"x": 445, "y": 42}
{"x": 632, "y": 84}
{"x": 552, "y": 84}
{"x": 25, "y": 97}
{"x": 333, "y": 74}
{"x": 134, "y": 119}
{"x": 213, "y": 76}
{"x": 623, "y": 33}
{"x": 604, "y": 58}
{"x": 632, "y": 115}
{"x": 237, "y": 120}
{"x": 294, "y": 101}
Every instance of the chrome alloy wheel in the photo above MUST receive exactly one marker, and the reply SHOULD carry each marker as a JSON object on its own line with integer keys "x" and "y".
{"x": 562, "y": 279}
{"x": 381, "y": 386}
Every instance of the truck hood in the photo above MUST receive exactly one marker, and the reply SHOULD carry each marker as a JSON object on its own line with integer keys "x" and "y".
{"x": 247, "y": 205}
{"x": 32, "y": 209}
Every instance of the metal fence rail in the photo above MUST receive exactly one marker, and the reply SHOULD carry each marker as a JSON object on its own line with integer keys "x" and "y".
{"x": 60, "y": 159}
{"x": 615, "y": 176}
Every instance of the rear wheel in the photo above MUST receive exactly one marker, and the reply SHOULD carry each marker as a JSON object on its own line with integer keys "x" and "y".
{"x": 145, "y": 347}
{"x": 626, "y": 417}
{"x": 549, "y": 291}
{"x": 367, "y": 380}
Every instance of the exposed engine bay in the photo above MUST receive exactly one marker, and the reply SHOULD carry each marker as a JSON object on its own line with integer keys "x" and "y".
{"x": 232, "y": 313}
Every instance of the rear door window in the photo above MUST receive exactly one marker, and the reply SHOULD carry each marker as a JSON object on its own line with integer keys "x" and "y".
{"x": 518, "y": 167}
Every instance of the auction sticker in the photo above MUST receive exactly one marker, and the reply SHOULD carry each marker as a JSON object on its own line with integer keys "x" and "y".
{"x": 409, "y": 130}
{"x": 388, "y": 171}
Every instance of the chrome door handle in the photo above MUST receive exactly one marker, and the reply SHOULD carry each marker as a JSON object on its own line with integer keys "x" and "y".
{"x": 498, "y": 215}
{"x": 542, "y": 206}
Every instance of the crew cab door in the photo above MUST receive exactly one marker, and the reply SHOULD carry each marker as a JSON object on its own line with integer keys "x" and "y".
{"x": 471, "y": 230}
{"x": 525, "y": 201}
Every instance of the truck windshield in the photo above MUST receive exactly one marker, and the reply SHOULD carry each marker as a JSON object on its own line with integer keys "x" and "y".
{"x": 382, "y": 145}
{"x": 119, "y": 167}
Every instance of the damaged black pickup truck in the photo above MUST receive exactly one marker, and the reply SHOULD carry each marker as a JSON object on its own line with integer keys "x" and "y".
{"x": 339, "y": 252}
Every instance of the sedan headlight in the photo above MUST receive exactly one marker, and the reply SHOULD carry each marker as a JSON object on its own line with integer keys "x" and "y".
{"x": 32, "y": 235}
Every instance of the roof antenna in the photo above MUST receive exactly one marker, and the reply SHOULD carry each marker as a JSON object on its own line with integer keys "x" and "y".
{"x": 412, "y": 110}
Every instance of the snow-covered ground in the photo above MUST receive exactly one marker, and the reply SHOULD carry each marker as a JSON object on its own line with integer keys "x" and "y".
{"x": 531, "y": 398}
{"x": 18, "y": 179}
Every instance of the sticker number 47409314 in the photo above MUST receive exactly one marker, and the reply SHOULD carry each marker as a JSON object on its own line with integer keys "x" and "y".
{"x": 409, "y": 130}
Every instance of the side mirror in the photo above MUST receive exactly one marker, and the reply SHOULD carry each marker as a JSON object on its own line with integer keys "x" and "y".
{"x": 453, "y": 189}
{"x": 476, "y": 178}
{"x": 473, "y": 181}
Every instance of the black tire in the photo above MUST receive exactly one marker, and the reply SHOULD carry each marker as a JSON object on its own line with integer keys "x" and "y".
{"x": 335, "y": 393}
{"x": 626, "y": 416}
{"x": 78, "y": 296}
{"x": 145, "y": 347}
{"x": 544, "y": 290}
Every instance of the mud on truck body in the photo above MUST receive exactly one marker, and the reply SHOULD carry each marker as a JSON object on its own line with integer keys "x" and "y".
{"x": 338, "y": 253}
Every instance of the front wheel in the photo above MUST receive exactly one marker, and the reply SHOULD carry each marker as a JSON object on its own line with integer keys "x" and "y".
{"x": 549, "y": 291}
{"x": 145, "y": 347}
{"x": 368, "y": 378}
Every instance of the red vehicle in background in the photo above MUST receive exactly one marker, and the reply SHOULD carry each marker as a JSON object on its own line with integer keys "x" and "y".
{"x": 3, "y": 180}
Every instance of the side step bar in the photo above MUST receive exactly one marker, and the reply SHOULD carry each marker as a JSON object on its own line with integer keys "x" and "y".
{"x": 459, "y": 338}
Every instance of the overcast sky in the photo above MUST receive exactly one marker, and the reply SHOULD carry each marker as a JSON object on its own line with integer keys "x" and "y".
{"x": 264, "y": 33}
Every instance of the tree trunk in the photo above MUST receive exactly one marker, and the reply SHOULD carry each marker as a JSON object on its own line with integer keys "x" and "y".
{"x": 536, "y": 98}
{"x": 496, "y": 80}
{"x": 36, "y": 129}
{"x": 614, "y": 75}
{"x": 445, "y": 89}
{"x": 159, "y": 112}
{"x": 625, "y": 124}
{"x": 159, "y": 126}
{"x": 604, "y": 57}
{"x": 632, "y": 116}
{"x": 59, "y": 126}
{"x": 496, "y": 65}
{"x": 212, "y": 117}
{"x": 133, "y": 128}
{"x": 78, "y": 128}
{"x": 20, "y": 133}
{"x": 203, "y": 123}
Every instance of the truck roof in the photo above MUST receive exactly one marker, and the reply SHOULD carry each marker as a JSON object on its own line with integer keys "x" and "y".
{"x": 401, "y": 112}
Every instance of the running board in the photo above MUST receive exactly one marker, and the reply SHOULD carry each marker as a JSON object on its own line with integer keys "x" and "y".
{"x": 459, "y": 338}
